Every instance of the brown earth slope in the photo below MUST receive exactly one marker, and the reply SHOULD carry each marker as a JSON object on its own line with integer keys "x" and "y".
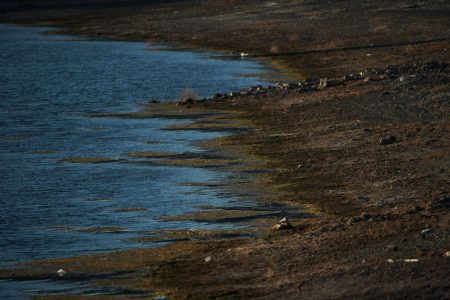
{"x": 383, "y": 225}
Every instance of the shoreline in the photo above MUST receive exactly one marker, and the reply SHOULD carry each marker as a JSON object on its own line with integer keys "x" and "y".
{"x": 384, "y": 229}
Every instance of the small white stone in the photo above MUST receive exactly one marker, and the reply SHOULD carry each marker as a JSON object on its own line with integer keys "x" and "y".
{"x": 447, "y": 254}
{"x": 411, "y": 260}
{"x": 61, "y": 272}
{"x": 208, "y": 259}
{"x": 426, "y": 231}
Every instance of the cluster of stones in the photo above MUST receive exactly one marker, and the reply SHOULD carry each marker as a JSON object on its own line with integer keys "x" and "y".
{"x": 402, "y": 74}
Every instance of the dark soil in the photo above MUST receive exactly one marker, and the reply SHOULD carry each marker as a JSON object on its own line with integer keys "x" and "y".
{"x": 382, "y": 208}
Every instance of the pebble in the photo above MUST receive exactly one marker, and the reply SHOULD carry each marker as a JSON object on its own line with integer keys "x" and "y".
{"x": 61, "y": 272}
{"x": 426, "y": 231}
{"x": 208, "y": 259}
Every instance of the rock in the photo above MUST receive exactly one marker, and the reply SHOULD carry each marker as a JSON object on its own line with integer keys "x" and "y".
{"x": 350, "y": 76}
{"x": 370, "y": 71}
{"x": 432, "y": 65}
{"x": 387, "y": 140}
{"x": 406, "y": 78}
{"x": 366, "y": 217}
{"x": 283, "y": 224}
{"x": 426, "y": 231}
{"x": 208, "y": 259}
{"x": 374, "y": 78}
{"x": 61, "y": 272}
{"x": 329, "y": 82}
{"x": 447, "y": 254}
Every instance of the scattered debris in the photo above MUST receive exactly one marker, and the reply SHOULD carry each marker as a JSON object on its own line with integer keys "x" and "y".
{"x": 406, "y": 260}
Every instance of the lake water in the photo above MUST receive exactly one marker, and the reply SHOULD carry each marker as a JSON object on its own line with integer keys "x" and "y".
{"x": 47, "y": 84}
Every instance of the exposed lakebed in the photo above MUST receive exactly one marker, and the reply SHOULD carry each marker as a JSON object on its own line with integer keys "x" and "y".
{"x": 74, "y": 184}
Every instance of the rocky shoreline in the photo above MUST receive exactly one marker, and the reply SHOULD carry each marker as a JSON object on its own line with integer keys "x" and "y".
{"x": 402, "y": 74}
{"x": 366, "y": 152}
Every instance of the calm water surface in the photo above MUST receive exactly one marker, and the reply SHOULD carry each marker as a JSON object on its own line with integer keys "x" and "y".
{"x": 47, "y": 84}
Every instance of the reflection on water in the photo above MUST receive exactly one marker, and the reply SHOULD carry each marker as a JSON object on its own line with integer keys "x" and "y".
{"x": 47, "y": 84}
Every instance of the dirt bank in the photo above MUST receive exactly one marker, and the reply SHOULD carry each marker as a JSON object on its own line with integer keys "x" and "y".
{"x": 367, "y": 153}
{"x": 311, "y": 38}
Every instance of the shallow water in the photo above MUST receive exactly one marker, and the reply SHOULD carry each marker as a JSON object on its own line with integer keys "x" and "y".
{"x": 47, "y": 85}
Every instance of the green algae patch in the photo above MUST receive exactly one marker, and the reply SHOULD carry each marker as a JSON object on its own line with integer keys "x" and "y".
{"x": 97, "y": 229}
{"x": 224, "y": 122}
{"x": 180, "y": 235}
{"x": 132, "y": 209}
{"x": 99, "y": 199}
{"x": 197, "y": 162}
{"x": 44, "y": 151}
{"x": 169, "y": 110}
{"x": 140, "y": 270}
{"x": 208, "y": 127}
{"x": 222, "y": 216}
{"x": 150, "y": 154}
{"x": 102, "y": 230}
{"x": 87, "y": 160}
